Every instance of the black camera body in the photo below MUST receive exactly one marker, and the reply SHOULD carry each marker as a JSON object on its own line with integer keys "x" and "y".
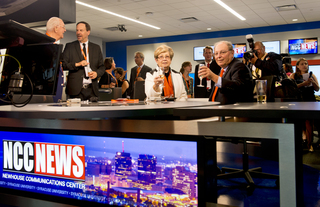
{"x": 250, "y": 54}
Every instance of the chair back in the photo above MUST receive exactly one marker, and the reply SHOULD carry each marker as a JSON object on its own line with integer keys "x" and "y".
{"x": 110, "y": 93}
{"x": 138, "y": 90}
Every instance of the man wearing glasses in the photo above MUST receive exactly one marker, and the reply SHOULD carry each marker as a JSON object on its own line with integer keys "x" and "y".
{"x": 234, "y": 82}
{"x": 266, "y": 63}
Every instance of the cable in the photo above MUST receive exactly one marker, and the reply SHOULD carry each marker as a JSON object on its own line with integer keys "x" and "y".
{"x": 9, "y": 94}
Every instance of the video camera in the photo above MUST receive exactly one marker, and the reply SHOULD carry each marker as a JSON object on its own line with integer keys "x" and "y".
{"x": 250, "y": 54}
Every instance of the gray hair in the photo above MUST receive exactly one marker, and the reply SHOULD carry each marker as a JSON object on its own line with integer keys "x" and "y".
{"x": 139, "y": 53}
{"x": 52, "y": 23}
{"x": 229, "y": 44}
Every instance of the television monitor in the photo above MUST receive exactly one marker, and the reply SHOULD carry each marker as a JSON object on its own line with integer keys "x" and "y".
{"x": 272, "y": 46}
{"x": 198, "y": 53}
{"x": 116, "y": 170}
{"x": 239, "y": 49}
{"x": 303, "y": 46}
{"x": 40, "y": 62}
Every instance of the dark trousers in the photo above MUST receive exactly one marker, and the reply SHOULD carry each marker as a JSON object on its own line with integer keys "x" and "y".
{"x": 86, "y": 94}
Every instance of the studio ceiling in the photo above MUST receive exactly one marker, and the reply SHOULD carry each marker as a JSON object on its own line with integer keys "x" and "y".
{"x": 166, "y": 14}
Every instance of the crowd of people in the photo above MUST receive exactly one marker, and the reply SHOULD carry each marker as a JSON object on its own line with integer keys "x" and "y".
{"x": 224, "y": 78}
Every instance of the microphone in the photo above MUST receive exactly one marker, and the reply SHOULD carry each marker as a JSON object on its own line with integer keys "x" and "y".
{"x": 310, "y": 74}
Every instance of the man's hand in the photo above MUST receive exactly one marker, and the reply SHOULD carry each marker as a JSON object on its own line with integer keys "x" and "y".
{"x": 254, "y": 59}
{"x": 140, "y": 79}
{"x": 82, "y": 63}
{"x": 92, "y": 74}
{"x": 205, "y": 72}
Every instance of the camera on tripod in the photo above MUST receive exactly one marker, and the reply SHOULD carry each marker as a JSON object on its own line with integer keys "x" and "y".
{"x": 250, "y": 54}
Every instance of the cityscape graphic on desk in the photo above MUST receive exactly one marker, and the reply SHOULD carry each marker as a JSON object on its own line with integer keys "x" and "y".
{"x": 112, "y": 170}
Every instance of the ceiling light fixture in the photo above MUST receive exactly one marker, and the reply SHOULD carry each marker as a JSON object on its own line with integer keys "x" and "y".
{"x": 294, "y": 20}
{"x": 118, "y": 15}
{"x": 208, "y": 28}
{"x": 230, "y": 10}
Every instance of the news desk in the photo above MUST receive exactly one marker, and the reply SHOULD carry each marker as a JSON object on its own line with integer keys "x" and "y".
{"x": 123, "y": 119}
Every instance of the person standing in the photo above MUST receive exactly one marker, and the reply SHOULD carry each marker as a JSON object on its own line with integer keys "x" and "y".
{"x": 204, "y": 92}
{"x": 307, "y": 84}
{"x": 186, "y": 68}
{"x": 55, "y": 28}
{"x": 108, "y": 80}
{"x": 138, "y": 73}
{"x": 84, "y": 61}
{"x": 234, "y": 82}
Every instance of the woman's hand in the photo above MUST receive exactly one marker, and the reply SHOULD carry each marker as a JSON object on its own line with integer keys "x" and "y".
{"x": 157, "y": 82}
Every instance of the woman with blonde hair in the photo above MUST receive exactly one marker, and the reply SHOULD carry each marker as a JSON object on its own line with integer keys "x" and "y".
{"x": 186, "y": 68}
{"x": 164, "y": 81}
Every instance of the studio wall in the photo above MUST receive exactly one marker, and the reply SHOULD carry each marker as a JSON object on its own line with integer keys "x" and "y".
{"x": 183, "y": 50}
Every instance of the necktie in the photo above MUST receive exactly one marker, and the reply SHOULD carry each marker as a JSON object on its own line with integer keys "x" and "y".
{"x": 84, "y": 50}
{"x": 85, "y": 57}
{"x": 138, "y": 71}
{"x": 216, "y": 88}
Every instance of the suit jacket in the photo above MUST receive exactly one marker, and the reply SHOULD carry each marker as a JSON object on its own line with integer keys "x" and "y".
{"x": 133, "y": 75}
{"x": 202, "y": 92}
{"x": 71, "y": 55}
{"x": 177, "y": 81}
{"x": 236, "y": 84}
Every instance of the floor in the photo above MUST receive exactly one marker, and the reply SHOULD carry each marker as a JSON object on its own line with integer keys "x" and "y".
{"x": 233, "y": 192}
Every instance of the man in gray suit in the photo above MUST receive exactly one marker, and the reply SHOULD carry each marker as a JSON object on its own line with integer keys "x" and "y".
{"x": 138, "y": 73}
{"x": 84, "y": 61}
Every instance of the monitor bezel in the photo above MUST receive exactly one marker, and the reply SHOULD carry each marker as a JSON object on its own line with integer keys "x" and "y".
{"x": 200, "y": 140}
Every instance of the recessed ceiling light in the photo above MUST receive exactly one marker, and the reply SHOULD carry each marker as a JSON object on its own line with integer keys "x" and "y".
{"x": 115, "y": 14}
{"x": 140, "y": 36}
{"x": 294, "y": 20}
{"x": 230, "y": 10}
{"x": 208, "y": 28}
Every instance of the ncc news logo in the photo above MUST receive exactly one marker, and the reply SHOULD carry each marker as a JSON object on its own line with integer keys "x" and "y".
{"x": 50, "y": 159}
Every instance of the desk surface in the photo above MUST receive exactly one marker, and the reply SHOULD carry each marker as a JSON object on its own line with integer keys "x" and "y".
{"x": 104, "y": 110}
{"x": 303, "y": 110}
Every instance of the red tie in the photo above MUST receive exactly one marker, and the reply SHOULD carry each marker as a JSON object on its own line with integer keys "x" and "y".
{"x": 216, "y": 88}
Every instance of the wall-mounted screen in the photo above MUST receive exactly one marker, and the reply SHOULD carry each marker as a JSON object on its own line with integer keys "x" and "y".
{"x": 198, "y": 53}
{"x": 117, "y": 171}
{"x": 303, "y": 46}
{"x": 239, "y": 49}
{"x": 272, "y": 46}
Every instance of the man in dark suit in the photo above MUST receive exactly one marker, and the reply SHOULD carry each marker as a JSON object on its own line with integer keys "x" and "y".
{"x": 84, "y": 61}
{"x": 234, "y": 82}
{"x": 138, "y": 73}
{"x": 204, "y": 92}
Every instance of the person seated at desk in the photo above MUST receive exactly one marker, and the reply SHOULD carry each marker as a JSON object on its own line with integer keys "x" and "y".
{"x": 234, "y": 83}
{"x": 107, "y": 79}
{"x": 307, "y": 84}
{"x": 171, "y": 83}
{"x": 123, "y": 83}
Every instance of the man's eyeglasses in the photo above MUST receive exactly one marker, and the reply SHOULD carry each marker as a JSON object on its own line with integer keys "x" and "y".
{"x": 221, "y": 53}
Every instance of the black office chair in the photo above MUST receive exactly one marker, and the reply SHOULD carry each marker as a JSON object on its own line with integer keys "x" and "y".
{"x": 138, "y": 90}
{"x": 245, "y": 172}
